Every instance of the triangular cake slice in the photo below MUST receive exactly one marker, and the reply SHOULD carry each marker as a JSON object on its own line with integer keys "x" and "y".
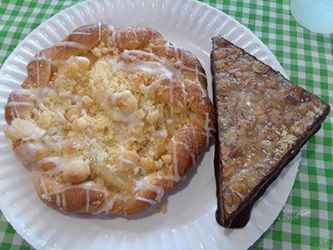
{"x": 263, "y": 121}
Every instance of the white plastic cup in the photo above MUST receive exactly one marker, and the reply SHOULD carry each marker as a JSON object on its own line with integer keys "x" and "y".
{"x": 314, "y": 15}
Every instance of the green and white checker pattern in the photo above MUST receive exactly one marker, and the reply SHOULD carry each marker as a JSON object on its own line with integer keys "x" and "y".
{"x": 306, "y": 222}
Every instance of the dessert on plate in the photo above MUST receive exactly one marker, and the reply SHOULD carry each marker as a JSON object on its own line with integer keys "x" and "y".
{"x": 263, "y": 121}
{"x": 110, "y": 119}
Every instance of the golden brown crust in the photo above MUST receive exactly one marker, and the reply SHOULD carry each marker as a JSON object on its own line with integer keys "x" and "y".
{"x": 80, "y": 41}
{"x": 184, "y": 147}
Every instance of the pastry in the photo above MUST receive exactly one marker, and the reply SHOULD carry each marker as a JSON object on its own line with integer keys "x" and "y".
{"x": 110, "y": 119}
{"x": 263, "y": 121}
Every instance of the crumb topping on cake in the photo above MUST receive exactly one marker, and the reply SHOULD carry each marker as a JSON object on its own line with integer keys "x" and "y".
{"x": 261, "y": 117}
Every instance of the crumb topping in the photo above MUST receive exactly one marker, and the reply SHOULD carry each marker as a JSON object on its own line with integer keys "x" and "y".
{"x": 107, "y": 117}
{"x": 260, "y": 117}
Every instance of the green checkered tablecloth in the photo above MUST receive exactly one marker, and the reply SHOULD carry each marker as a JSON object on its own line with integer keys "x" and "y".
{"x": 307, "y": 219}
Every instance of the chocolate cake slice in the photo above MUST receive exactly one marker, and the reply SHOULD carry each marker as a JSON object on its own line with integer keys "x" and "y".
{"x": 263, "y": 121}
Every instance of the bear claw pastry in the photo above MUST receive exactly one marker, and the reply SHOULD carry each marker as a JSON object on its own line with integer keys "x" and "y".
{"x": 110, "y": 119}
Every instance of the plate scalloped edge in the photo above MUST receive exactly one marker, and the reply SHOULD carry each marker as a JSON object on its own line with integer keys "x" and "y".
{"x": 197, "y": 23}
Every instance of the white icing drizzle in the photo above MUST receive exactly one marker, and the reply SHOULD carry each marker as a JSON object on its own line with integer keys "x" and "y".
{"x": 37, "y": 94}
{"x": 38, "y": 70}
{"x": 14, "y": 105}
{"x": 130, "y": 54}
{"x": 24, "y": 92}
{"x": 58, "y": 201}
{"x": 176, "y": 51}
{"x": 63, "y": 200}
{"x": 114, "y": 37}
{"x": 159, "y": 67}
{"x": 135, "y": 35}
{"x": 122, "y": 158}
{"x": 126, "y": 161}
{"x": 184, "y": 94}
{"x": 49, "y": 68}
{"x": 133, "y": 54}
{"x": 108, "y": 206}
{"x": 87, "y": 199}
{"x": 180, "y": 59}
{"x": 150, "y": 201}
{"x": 165, "y": 70}
{"x": 207, "y": 129}
{"x": 198, "y": 86}
{"x": 45, "y": 194}
{"x": 55, "y": 62}
{"x": 109, "y": 203}
{"x": 99, "y": 31}
{"x": 87, "y": 186}
{"x": 192, "y": 131}
{"x": 50, "y": 62}
{"x": 171, "y": 178}
{"x": 38, "y": 59}
{"x": 156, "y": 189}
{"x": 131, "y": 118}
{"x": 188, "y": 149}
{"x": 169, "y": 121}
{"x": 160, "y": 133}
{"x": 180, "y": 65}
{"x": 81, "y": 33}
{"x": 117, "y": 95}
{"x": 150, "y": 67}
{"x": 179, "y": 62}
{"x": 174, "y": 157}
{"x": 143, "y": 184}
{"x": 61, "y": 116}
{"x": 152, "y": 87}
{"x": 71, "y": 44}
{"x": 175, "y": 68}
{"x": 171, "y": 98}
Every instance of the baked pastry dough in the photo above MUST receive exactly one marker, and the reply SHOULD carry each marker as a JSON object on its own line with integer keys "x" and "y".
{"x": 110, "y": 119}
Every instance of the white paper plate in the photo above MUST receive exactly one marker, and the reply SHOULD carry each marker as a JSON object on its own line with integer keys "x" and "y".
{"x": 190, "y": 220}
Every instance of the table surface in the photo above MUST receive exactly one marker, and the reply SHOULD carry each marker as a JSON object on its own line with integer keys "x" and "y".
{"x": 306, "y": 221}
